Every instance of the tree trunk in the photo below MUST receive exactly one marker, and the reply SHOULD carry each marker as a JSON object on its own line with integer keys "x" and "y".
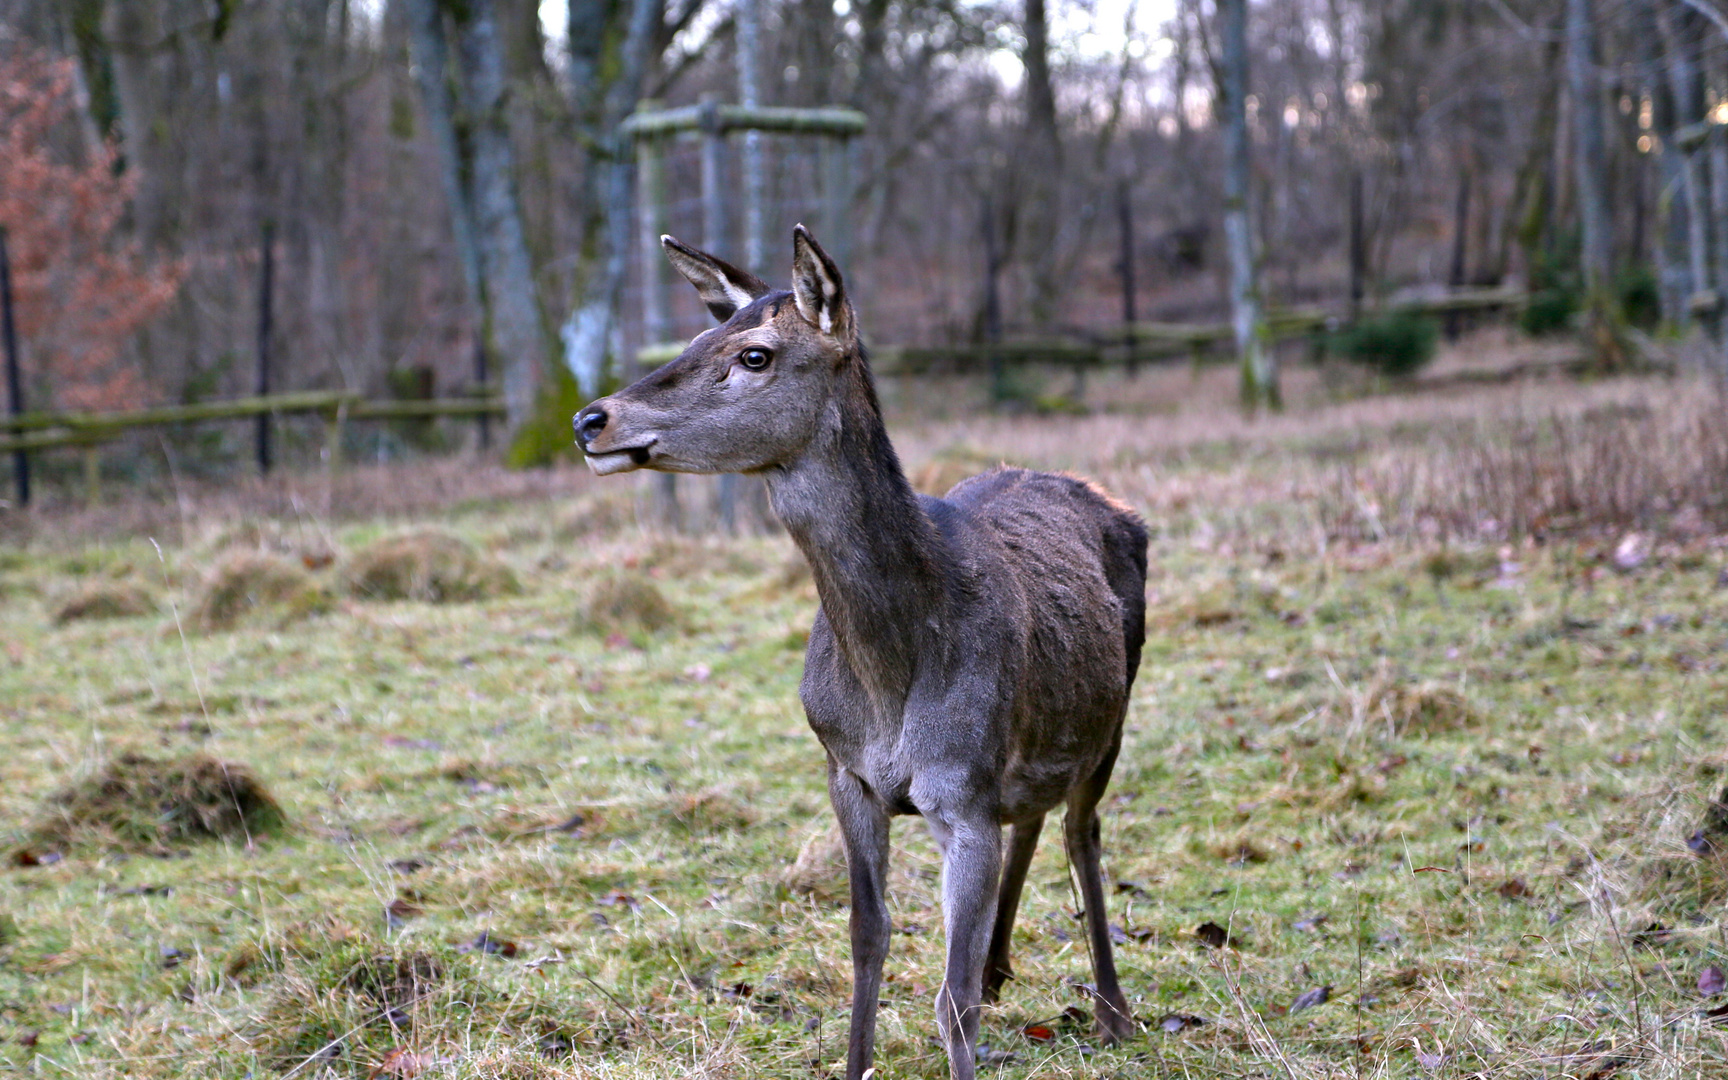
{"x": 1590, "y": 174}
{"x": 1043, "y": 165}
{"x": 590, "y": 333}
{"x": 512, "y": 297}
{"x": 1259, "y": 366}
{"x": 1682, "y": 36}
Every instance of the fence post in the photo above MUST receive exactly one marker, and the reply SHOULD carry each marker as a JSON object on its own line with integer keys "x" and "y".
{"x": 333, "y": 439}
{"x": 266, "y": 272}
{"x": 92, "y": 475}
{"x": 714, "y": 239}
{"x": 14, "y": 379}
{"x": 480, "y": 376}
{"x": 836, "y": 159}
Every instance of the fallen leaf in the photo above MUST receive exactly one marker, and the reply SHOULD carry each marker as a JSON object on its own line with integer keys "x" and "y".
{"x": 1309, "y": 924}
{"x": 1214, "y": 936}
{"x": 988, "y": 1055}
{"x": 1175, "y": 1022}
{"x": 618, "y": 899}
{"x": 1431, "y": 1062}
{"x": 1710, "y": 981}
{"x": 486, "y": 943}
{"x": 27, "y": 857}
{"x": 1317, "y": 996}
{"x": 401, "y": 1062}
{"x": 171, "y": 957}
{"x": 1514, "y": 889}
{"x": 1651, "y": 936}
{"x": 1118, "y": 936}
{"x": 1038, "y": 1033}
{"x": 406, "y": 866}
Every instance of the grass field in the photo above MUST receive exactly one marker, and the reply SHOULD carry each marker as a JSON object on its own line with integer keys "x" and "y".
{"x": 538, "y": 825}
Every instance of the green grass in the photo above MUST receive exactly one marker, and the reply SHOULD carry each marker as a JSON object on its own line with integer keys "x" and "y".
{"x": 1457, "y": 796}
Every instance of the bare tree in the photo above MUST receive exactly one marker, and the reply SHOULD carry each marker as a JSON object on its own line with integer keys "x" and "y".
{"x": 1590, "y": 169}
{"x": 484, "y": 164}
{"x": 1259, "y": 365}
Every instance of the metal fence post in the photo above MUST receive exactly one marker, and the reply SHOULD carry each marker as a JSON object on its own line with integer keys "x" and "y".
{"x": 266, "y": 272}
{"x": 14, "y": 378}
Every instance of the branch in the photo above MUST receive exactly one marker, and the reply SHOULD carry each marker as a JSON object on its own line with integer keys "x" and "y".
{"x": 1709, "y": 11}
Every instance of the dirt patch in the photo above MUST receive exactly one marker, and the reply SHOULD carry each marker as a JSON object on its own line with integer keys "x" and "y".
{"x": 247, "y": 583}
{"x": 106, "y": 600}
{"x": 142, "y": 803}
{"x": 627, "y": 603}
{"x": 433, "y": 567}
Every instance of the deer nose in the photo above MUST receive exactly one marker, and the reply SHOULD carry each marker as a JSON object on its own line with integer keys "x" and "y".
{"x": 590, "y": 422}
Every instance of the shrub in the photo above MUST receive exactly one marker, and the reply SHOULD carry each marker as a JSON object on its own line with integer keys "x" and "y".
{"x": 1397, "y": 344}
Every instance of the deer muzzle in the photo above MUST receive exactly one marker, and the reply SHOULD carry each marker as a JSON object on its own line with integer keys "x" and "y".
{"x": 596, "y": 443}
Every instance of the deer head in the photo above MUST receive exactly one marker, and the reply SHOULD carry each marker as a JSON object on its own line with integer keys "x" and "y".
{"x": 744, "y": 396}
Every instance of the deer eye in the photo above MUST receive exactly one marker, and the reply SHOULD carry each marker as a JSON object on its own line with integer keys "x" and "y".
{"x": 755, "y": 359}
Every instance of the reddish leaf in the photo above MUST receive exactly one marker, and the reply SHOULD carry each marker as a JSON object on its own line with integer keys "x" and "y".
{"x": 1038, "y": 1033}
{"x": 1514, "y": 889}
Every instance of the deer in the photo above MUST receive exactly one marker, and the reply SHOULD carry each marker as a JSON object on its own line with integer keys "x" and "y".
{"x": 972, "y": 656}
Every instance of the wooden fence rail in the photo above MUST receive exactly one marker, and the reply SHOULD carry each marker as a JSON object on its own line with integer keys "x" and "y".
{"x": 88, "y": 431}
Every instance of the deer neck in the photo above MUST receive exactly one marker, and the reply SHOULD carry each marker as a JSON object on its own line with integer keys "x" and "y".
{"x": 874, "y": 552}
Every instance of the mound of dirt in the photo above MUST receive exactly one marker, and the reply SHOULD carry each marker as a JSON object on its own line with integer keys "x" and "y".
{"x": 142, "y": 803}
{"x": 106, "y": 600}
{"x": 247, "y": 582}
{"x": 429, "y": 566}
{"x": 626, "y": 603}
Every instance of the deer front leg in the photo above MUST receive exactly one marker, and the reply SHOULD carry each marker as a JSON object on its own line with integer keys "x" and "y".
{"x": 971, "y": 864}
{"x": 1022, "y": 842}
{"x": 864, "y": 826}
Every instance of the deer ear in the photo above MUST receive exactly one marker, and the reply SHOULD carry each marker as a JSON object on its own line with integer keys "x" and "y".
{"x": 817, "y": 288}
{"x": 722, "y": 286}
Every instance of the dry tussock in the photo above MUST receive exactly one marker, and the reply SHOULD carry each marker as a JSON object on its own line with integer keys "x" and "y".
{"x": 626, "y": 603}
{"x": 820, "y": 869}
{"x": 428, "y": 566}
{"x": 141, "y": 803}
{"x": 106, "y": 600}
{"x": 710, "y": 810}
{"x": 249, "y": 582}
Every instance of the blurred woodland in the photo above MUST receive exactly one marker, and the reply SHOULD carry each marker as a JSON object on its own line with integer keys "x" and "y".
{"x": 449, "y": 194}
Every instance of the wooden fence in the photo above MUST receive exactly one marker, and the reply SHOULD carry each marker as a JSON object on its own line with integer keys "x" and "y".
{"x": 89, "y": 431}
{"x": 1126, "y": 344}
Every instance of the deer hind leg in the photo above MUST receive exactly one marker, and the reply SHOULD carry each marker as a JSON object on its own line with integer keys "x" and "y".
{"x": 864, "y": 826}
{"x": 1085, "y": 852}
{"x": 1022, "y": 842}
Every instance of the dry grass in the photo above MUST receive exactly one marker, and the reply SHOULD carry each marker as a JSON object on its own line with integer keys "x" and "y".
{"x": 428, "y": 566}
{"x": 1465, "y": 783}
{"x": 107, "y": 600}
{"x": 140, "y": 803}
{"x": 246, "y": 584}
{"x": 626, "y": 603}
